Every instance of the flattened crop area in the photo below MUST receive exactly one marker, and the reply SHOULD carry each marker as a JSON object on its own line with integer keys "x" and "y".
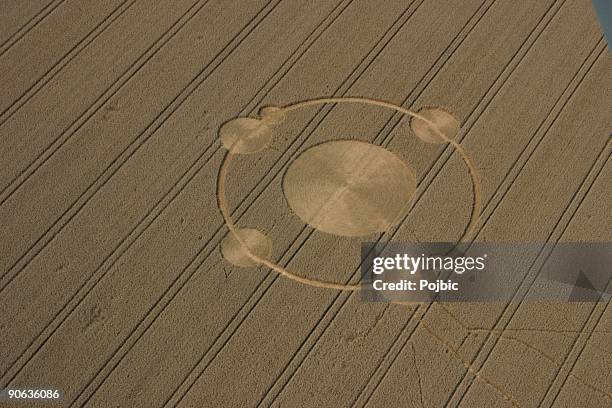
{"x": 131, "y": 183}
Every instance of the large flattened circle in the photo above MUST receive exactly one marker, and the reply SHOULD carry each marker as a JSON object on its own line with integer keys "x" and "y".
{"x": 348, "y": 187}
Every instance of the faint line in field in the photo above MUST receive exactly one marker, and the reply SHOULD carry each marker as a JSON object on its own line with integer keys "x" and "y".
{"x": 28, "y": 26}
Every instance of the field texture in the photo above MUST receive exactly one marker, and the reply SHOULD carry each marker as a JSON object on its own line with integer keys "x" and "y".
{"x": 114, "y": 288}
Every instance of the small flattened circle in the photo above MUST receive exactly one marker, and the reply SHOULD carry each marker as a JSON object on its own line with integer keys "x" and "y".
{"x": 441, "y": 121}
{"x": 245, "y": 135}
{"x": 235, "y": 252}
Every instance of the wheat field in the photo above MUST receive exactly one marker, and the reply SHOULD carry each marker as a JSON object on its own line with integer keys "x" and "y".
{"x": 114, "y": 288}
